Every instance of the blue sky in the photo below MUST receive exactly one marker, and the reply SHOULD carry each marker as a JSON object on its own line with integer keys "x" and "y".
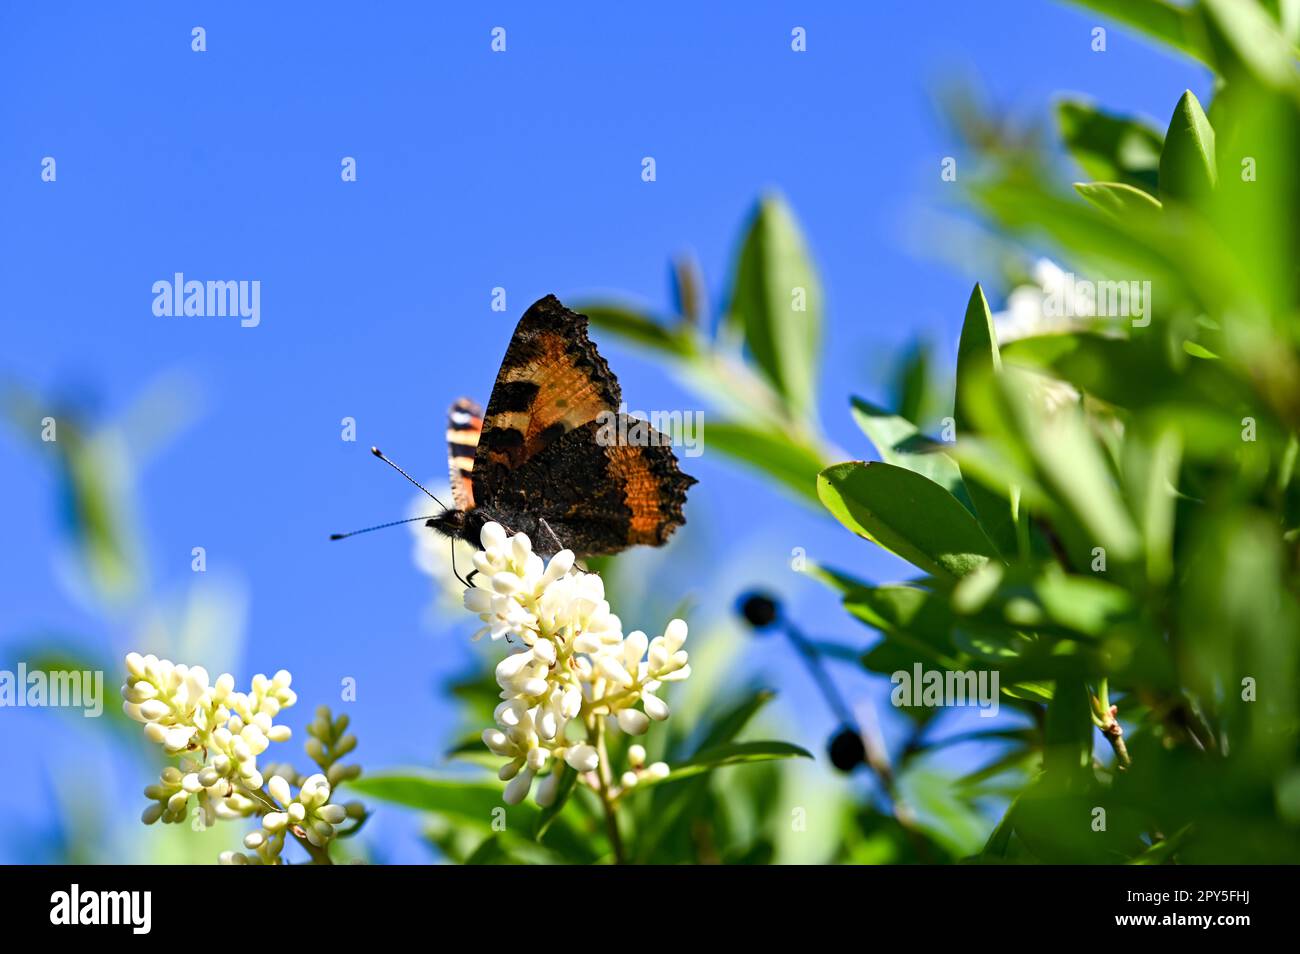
{"x": 475, "y": 170}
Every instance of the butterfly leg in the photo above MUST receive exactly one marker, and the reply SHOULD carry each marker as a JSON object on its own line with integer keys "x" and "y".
{"x": 469, "y": 580}
{"x": 455, "y": 572}
{"x": 559, "y": 544}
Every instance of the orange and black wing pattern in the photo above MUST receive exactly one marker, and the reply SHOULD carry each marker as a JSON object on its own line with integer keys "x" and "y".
{"x": 549, "y": 458}
{"x": 597, "y": 496}
{"x": 552, "y": 380}
{"x": 464, "y": 425}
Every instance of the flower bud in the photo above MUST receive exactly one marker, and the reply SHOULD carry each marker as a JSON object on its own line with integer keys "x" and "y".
{"x": 334, "y": 814}
{"x": 154, "y": 709}
{"x": 518, "y": 788}
{"x": 632, "y": 721}
{"x": 582, "y": 758}
{"x": 655, "y": 707}
{"x": 547, "y": 789}
{"x": 493, "y": 536}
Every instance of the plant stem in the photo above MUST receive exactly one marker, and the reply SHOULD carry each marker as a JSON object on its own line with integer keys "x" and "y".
{"x": 319, "y": 856}
{"x": 611, "y": 816}
{"x": 1105, "y": 717}
{"x": 1114, "y": 734}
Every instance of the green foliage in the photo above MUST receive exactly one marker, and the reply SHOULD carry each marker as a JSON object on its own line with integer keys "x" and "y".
{"x": 1108, "y": 147}
{"x": 777, "y": 301}
{"x": 908, "y": 514}
{"x": 1175, "y": 25}
{"x": 1137, "y": 475}
{"x": 663, "y": 819}
{"x": 1111, "y": 520}
{"x": 1187, "y": 164}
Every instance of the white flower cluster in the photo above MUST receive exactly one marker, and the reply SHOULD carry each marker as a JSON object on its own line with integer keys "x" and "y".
{"x": 571, "y": 663}
{"x": 219, "y": 731}
{"x": 219, "y": 734}
{"x": 310, "y": 812}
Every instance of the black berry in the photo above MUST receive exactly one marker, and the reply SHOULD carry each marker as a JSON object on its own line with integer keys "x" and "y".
{"x": 759, "y": 609}
{"x": 846, "y": 749}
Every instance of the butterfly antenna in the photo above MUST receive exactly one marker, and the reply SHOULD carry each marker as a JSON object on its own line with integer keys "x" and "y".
{"x": 380, "y": 454}
{"x": 393, "y": 523}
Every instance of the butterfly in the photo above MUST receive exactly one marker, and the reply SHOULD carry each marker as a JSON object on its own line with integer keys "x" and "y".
{"x": 544, "y": 459}
{"x": 541, "y": 460}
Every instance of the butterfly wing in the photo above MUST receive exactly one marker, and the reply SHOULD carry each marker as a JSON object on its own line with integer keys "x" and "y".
{"x": 551, "y": 381}
{"x": 464, "y": 425}
{"x": 597, "y": 495}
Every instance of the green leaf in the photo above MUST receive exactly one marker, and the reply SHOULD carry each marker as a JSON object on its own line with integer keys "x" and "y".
{"x": 1180, "y": 255}
{"x": 777, "y": 299}
{"x": 998, "y": 847}
{"x": 1072, "y": 465}
{"x": 1126, "y": 373}
{"x": 912, "y": 386}
{"x": 1030, "y": 691}
{"x": 1151, "y": 479}
{"x": 1177, "y": 26}
{"x": 636, "y": 327}
{"x": 978, "y": 356}
{"x": 906, "y": 514}
{"x": 732, "y": 721}
{"x": 689, "y": 292}
{"x": 993, "y": 646}
{"x": 1118, "y": 198}
{"x": 490, "y": 852}
{"x": 732, "y": 753}
{"x": 1187, "y": 165}
{"x": 1110, "y": 148}
{"x": 1068, "y": 732}
{"x": 459, "y": 798}
{"x": 977, "y": 351}
{"x": 1254, "y": 40}
{"x": 932, "y": 801}
{"x": 899, "y": 442}
{"x": 1287, "y": 13}
{"x": 467, "y": 804}
{"x": 835, "y": 579}
{"x": 916, "y": 624}
{"x": 793, "y": 465}
{"x": 1083, "y": 604}
{"x": 1162, "y": 852}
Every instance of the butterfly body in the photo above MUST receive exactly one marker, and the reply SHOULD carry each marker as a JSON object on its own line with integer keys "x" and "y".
{"x": 543, "y": 461}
